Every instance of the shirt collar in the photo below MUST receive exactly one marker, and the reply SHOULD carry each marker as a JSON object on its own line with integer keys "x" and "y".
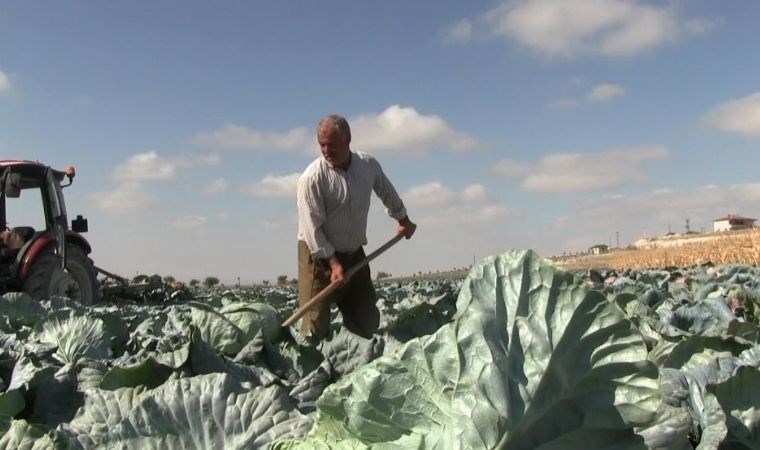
{"x": 350, "y": 159}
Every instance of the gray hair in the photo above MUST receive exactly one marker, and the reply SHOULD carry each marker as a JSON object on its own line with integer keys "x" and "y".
{"x": 339, "y": 122}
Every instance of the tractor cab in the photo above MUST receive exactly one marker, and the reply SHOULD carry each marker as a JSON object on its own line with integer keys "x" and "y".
{"x": 40, "y": 253}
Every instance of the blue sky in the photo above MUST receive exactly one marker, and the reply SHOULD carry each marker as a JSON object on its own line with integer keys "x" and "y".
{"x": 545, "y": 124}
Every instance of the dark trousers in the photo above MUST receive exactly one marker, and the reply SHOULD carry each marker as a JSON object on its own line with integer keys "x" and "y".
{"x": 356, "y": 300}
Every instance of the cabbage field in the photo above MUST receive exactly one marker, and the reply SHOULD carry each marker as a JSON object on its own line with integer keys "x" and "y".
{"x": 517, "y": 355}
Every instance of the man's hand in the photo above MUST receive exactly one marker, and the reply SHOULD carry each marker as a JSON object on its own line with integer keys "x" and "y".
{"x": 406, "y": 227}
{"x": 336, "y": 270}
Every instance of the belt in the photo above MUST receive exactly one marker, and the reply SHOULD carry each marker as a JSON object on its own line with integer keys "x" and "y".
{"x": 351, "y": 253}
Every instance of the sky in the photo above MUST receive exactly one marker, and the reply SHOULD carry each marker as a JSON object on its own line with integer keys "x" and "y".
{"x": 546, "y": 124}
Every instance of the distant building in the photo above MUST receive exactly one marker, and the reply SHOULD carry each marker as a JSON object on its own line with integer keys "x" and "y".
{"x": 732, "y": 222}
{"x": 599, "y": 249}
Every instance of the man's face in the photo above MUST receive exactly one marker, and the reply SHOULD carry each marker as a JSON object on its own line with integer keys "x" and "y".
{"x": 12, "y": 239}
{"x": 333, "y": 145}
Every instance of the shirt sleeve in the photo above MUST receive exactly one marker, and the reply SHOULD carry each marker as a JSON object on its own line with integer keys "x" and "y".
{"x": 387, "y": 193}
{"x": 311, "y": 217}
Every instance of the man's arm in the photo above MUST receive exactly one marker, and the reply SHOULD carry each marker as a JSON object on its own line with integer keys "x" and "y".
{"x": 311, "y": 217}
{"x": 393, "y": 203}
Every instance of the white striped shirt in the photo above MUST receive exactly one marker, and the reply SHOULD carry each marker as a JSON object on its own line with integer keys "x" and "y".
{"x": 333, "y": 204}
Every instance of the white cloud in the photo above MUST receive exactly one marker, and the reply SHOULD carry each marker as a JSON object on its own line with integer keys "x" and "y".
{"x": 145, "y": 166}
{"x": 429, "y": 194}
{"x": 273, "y": 186}
{"x": 125, "y": 198}
{"x": 474, "y": 193}
{"x": 740, "y": 116}
{"x": 460, "y": 31}
{"x": 605, "y": 92}
{"x": 563, "y": 172}
{"x": 464, "y": 214}
{"x": 509, "y": 167}
{"x": 238, "y": 137}
{"x": 404, "y": 130}
{"x": 651, "y": 212}
{"x": 607, "y": 218}
{"x": 149, "y": 166}
{"x": 569, "y": 28}
{"x": 216, "y": 186}
{"x": 485, "y": 214}
{"x": 563, "y": 103}
{"x": 5, "y": 82}
{"x": 698, "y": 26}
{"x": 602, "y": 92}
{"x": 190, "y": 222}
{"x": 286, "y": 222}
{"x": 436, "y": 194}
{"x": 397, "y": 129}
{"x": 438, "y": 205}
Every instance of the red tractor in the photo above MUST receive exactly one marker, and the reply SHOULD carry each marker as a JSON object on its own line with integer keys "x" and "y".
{"x": 43, "y": 256}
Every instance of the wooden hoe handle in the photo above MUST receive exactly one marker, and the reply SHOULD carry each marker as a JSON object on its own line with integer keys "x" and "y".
{"x": 335, "y": 284}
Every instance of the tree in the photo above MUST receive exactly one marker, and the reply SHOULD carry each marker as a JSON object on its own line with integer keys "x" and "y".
{"x": 169, "y": 279}
{"x": 194, "y": 282}
{"x": 282, "y": 280}
{"x": 141, "y": 278}
{"x": 211, "y": 282}
{"x": 265, "y": 282}
{"x": 380, "y": 275}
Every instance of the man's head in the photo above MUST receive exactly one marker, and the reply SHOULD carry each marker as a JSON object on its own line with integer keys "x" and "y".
{"x": 12, "y": 239}
{"x": 334, "y": 137}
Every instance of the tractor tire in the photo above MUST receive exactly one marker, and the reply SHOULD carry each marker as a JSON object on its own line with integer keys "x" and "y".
{"x": 79, "y": 282}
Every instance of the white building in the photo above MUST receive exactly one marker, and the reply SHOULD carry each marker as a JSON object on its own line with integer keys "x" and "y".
{"x": 732, "y": 222}
{"x": 599, "y": 249}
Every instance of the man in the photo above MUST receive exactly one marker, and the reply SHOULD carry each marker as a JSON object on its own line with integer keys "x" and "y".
{"x": 333, "y": 202}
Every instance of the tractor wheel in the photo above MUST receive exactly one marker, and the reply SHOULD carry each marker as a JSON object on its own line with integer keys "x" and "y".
{"x": 78, "y": 282}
